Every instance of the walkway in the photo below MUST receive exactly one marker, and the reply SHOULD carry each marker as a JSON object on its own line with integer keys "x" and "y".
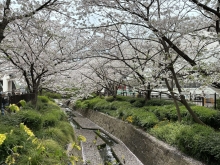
{"x": 100, "y": 147}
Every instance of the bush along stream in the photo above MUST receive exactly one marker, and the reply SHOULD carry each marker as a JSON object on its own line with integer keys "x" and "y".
{"x": 105, "y": 150}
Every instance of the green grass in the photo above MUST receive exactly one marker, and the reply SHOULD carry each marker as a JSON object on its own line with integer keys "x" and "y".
{"x": 49, "y": 125}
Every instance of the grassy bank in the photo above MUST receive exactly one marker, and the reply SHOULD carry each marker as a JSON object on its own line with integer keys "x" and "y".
{"x": 159, "y": 118}
{"x": 34, "y": 136}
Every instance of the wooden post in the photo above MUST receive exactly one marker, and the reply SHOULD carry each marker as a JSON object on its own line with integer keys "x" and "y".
{"x": 215, "y": 103}
{"x": 203, "y": 101}
{"x": 1, "y": 105}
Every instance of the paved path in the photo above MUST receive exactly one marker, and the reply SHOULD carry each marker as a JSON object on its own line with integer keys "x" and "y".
{"x": 90, "y": 151}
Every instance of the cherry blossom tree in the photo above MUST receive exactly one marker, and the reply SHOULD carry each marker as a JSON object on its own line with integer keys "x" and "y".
{"x": 12, "y": 10}
{"x": 169, "y": 26}
{"x": 41, "y": 50}
{"x": 210, "y": 10}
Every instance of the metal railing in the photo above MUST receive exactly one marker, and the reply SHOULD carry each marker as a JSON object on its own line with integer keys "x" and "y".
{"x": 210, "y": 101}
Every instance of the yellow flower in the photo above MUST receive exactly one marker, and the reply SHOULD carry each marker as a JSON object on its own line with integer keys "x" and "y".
{"x": 10, "y": 160}
{"x": 42, "y": 148}
{"x": 81, "y": 138}
{"x": 35, "y": 141}
{"x": 72, "y": 162}
{"x": 14, "y": 107}
{"x": 2, "y": 138}
{"x": 78, "y": 147}
{"x": 27, "y": 130}
{"x": 75, "y": 158}
{"x": 129, "y": 119}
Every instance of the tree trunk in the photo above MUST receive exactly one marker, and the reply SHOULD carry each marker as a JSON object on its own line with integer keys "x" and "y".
{"x": 182, "y": 98}
{"x": 34, "y": 101}
{"x": 174, "y": 100}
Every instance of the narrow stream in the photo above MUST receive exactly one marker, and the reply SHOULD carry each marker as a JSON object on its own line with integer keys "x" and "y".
{"x": 107, "y": 155}
{"x": 105, "y": 150}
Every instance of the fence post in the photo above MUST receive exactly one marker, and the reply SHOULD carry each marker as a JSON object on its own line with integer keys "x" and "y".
{"x": 160, "y": 95}
{"x": 203, "y": 101}
{"x": 1, "y": 106}
{"x": 215, "y": 103}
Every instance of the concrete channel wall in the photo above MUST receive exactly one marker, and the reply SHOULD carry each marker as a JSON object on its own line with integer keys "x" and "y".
{"x": 147, "y": 148}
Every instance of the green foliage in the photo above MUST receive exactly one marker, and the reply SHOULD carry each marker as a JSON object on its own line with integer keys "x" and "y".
{"x": 52, "y": 95}
{"x": 77, "y": 104}
{"x": 168, "y": 112}
{"x": 22, "y": 102}
{"x": 101, "y": 105}
{"x": 56, "y": 134}
{"x": 85, "y": 105}
{"x": 110, "y": 99}
{"x": 196, "y": 140}
{"x": 144, "y": 119}
{"x": 208, "y": 116}
{"x": 159, "y": 102}
{"x": 123, "y": 98}
{"x": 192, "y": 140}
{"x": 43, "y": 99}
{"x": 53, "y": 137}
{"x": 67, "y": 129}
{"x": 167, "y": 131}
{"x": 218, "y": 104}
{"x": 13, "y": 108}
{"x": 14, "y": 138}
{"x": 140, "y": 102}
{"x": 31, "y": 118}
{"x": 51, "y": 118}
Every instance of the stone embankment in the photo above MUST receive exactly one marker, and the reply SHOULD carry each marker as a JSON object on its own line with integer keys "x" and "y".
{"x": 100, "y": 146}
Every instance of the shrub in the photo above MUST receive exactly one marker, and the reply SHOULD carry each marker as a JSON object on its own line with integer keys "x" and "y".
{"x": 54, "y": 154}
{"x": 159, "y": 102}
{"x": 57, "y": 135}
{"x": 140, "y": 102}
{"x": 210, "y": 148}
{"x": 208, "y": 116}
{"x": 167, "y": 131}
{"x": 52, "y": 95}
{"x": 67, "y": 129}
{"x": 168, "y": 112}
{"x": 120, "y": 105}
{"x": 123, "y": 98}
{"x": 44, "y": 99}
{"x": 78, "y": 104}
{"x": 94, "y": 101}
{"x": 132, "y": 100}
{"x": 101, "y": 105}
{"x": 14, "y": 138}
{"x": 31, "y": 118}
{"x": 49, "y": 120}
{"x": 191, "y": 141}
{"x": 110, "y": 99}
{"x": 144, "y": 119}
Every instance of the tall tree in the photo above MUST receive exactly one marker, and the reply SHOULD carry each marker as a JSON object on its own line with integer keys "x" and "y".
{"x": 12, "y": 10}
{"x": 40, "y": 50}
{"x": 167, "y": 24}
